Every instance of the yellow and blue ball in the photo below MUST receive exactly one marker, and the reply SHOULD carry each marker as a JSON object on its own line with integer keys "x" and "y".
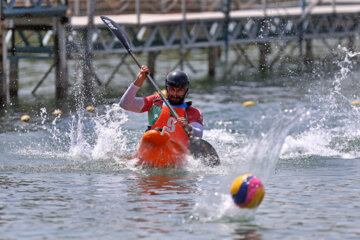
{"x": 247, "y": 191}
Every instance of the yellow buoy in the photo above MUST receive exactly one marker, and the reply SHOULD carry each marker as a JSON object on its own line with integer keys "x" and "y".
{"x": 356, "y": 102}
{"x": 57, "y": 112}
{"x": 248, "y": 104}
{"x": 90, "y": 108}
{"x": 25, "y": 118}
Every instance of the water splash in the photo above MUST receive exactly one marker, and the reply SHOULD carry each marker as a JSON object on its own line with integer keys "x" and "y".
{"x": 79, "y": 146}
{"x": 82, "y": 141}
{"x": 323, "y": 127}
{"x": 333, "y": 128}
{"x": 259, "y": 157}
{"x": 265, "y": 152}
{"x": 108, "y": 138}
{"x": 346, "y": 66}
{"x": 111, "y": 137}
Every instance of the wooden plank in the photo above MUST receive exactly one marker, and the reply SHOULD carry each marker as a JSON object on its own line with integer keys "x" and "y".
{"x": 40, "y": 22}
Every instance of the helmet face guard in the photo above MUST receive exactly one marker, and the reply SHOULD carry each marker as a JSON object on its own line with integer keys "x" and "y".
{"x": 177, "y": 79}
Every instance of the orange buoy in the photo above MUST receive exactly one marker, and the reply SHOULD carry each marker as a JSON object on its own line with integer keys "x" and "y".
{"x": 157, "y": 149}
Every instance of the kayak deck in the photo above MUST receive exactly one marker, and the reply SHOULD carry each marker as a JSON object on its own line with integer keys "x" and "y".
{"x": 157, "y": 149}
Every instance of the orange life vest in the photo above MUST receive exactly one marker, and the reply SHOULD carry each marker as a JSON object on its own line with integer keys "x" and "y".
{"x": 167, "y": 121}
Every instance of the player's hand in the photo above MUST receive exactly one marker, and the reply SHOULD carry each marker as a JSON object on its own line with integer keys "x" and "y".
{"x": 184, "y": 123}
{"x": 142, "y": 73}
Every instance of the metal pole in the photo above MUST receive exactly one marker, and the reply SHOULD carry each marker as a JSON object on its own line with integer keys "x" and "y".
{"x": 138, "y": 11}
{"x": 76, "y": 7}
{"x": 90, "y": 12}
{"x": 183, "y": 32}
{"x": 3, "y": 53}
{"x": 227, "y": 21}
{"x": 14, "y": 68}
{"x": 303, "y": 6}
{"x": 88, "y": 75}
{"x": 264, "y": 6}
{"x": 301, "y": 30}
{"x": 61, "y": 70}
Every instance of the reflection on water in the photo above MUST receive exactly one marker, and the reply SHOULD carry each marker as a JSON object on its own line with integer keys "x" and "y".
{"x": 164, "y": 194}
{"x": 246, "y": 234}
{"x": 161, "y": 185}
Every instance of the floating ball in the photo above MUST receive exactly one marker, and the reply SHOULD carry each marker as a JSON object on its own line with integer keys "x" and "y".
{"x": 90, "y": 108}
{"x": 248, "y": 104}
{"x": 247, "y": 191}
{"x": 356, "y": 102}
{"x": 25, "y": 118}
{"x": 57, "y": 112}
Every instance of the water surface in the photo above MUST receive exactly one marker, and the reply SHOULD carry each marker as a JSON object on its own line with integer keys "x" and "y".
{"x": 72, "y": 176}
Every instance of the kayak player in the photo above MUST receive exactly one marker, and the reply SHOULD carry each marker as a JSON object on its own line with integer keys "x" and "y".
{"x": 159, "y": 115}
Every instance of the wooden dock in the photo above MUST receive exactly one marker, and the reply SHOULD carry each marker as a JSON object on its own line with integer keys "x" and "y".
{"x": 73, "y": 28}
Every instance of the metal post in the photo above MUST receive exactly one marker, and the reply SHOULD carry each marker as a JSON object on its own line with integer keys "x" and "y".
{"x": 3, "y": 52}
{"x": 14, "y": 77}
{"x": 264, "y": 6}
{"x": 351, "y": 43}
{"x": 76, "y": 8}
{"x": 264, "y": 50}
{"x": 211, "y": 60}
{"x": 308, "y": 52}
{"x": 14, "y": 68}
{"x": 301, "y": 26}
{"x": 61, "y": 71}
{"x": 183, "y": 32}
{"x": 91, "y": 13}
{"x": 151, "y": 62}
{"x": 138, "y": 11}
{"x": 227, "y": 21}
{"x": 203, "y": 6}
{"x": 88, "y": 75}
{"x": 303, "y": 6}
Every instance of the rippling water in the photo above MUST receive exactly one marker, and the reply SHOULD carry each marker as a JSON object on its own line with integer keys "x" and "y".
{"x": 72, "y": 176}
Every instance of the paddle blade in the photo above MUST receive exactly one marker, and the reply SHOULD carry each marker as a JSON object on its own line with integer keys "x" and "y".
{"x": 118, "y": 32}
{"x": 203, "y": 150}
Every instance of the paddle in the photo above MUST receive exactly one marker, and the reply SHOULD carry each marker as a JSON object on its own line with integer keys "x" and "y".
{"x": 199, "y": 148}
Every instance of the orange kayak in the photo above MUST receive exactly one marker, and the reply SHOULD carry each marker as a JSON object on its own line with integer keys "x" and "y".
{"x": 157, "y": 150}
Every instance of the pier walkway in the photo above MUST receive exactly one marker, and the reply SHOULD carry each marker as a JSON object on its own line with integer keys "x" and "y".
{"x": 205, "y": 29}
{"x": 176, "y": 25}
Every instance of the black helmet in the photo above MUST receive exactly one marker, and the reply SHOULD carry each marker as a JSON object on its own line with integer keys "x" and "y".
{"x": 177, "y": 78}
